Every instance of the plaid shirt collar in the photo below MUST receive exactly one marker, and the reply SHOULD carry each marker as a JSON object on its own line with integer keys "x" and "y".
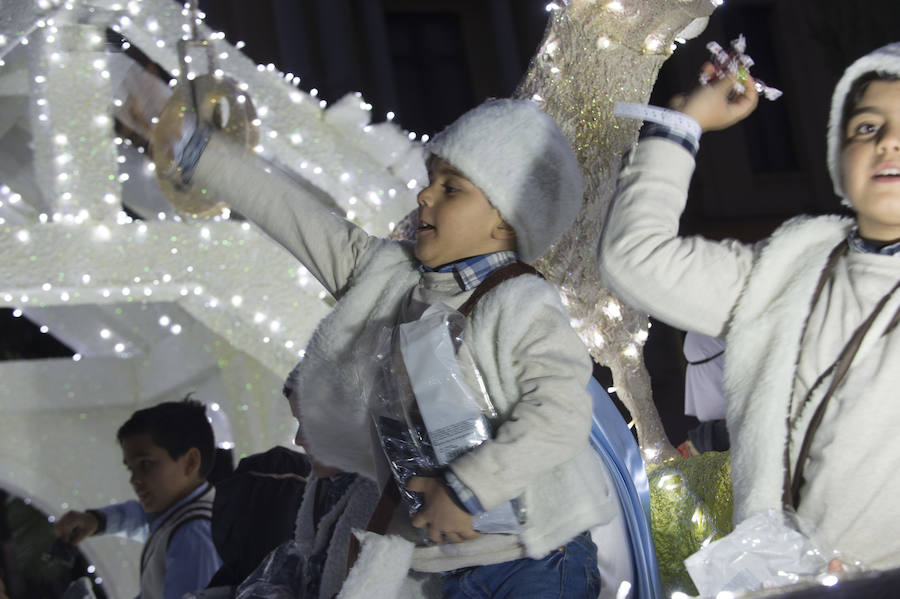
{"x": 865, "y": 246}
{"x": 470, "y": 272}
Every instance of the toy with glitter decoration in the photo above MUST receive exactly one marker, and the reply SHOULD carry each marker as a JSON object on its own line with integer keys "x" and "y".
{"x": 735, "y": 64}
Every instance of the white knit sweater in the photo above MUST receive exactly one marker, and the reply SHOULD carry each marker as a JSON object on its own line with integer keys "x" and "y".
{"x": 759, "y": 297}
{"x": 534, "y": 366}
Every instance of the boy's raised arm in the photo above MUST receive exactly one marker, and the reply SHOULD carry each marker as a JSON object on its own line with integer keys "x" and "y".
{"x": 689, "y": 282}
{"x": 327, "y": 244}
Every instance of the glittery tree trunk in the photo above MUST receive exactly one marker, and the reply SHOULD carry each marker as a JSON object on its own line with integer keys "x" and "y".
{"x": 596, "y": 53}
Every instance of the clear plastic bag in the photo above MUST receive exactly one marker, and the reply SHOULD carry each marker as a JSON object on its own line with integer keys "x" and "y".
{"x": 281, "y": 575}
{"x": 419, "y": 384}
{"x": 769, "y": 549}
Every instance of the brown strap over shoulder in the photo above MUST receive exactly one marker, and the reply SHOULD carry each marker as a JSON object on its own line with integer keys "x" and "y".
{"x": 504, "y": 273}
{"x": 793, "y": 482}
{"x": 390, "y": 496}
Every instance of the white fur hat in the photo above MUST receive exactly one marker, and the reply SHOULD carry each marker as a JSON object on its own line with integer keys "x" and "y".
{"x": 518, "y": 157}
{"x": 883, "y": 60}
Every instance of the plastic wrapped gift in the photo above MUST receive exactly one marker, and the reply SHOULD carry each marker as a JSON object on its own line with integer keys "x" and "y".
{"x": 770, "y": 549}
{"x": 424, "y": 409}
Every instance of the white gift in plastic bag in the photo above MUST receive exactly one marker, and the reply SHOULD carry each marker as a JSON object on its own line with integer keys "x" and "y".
{"x": 425, "y": 412}
{"x": 766, "y": 550}
{"x": 454, "y": 421}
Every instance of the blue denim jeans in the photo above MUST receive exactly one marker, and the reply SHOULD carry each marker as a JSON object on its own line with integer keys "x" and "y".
{"x": 569, "y": 572}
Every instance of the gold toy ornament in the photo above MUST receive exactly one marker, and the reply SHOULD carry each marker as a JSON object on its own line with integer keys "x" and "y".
{"x": 216, "y": 100}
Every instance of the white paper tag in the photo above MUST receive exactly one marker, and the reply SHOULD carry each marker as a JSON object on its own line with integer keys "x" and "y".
{"x": 655, "y": 114}
{"x": 454, "y": 421}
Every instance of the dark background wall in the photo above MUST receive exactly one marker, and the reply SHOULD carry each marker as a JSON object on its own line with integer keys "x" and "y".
{"x": 430, "y": 60}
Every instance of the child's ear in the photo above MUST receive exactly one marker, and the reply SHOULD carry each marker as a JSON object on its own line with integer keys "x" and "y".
{"x": 192, "y": 461}
{"x": 504, "y": 230}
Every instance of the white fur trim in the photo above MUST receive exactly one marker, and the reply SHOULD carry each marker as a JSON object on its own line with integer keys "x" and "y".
{"x": 332, "y": 534}
{"x": 760, "y": 361}
{"x": 333, "y": 412}
{"x": 886, "y": 60}
{"x": 517, "y": 155}
{"x": 381, "y": 568}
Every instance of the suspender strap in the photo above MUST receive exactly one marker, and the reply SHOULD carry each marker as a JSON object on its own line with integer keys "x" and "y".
{"x": 504, "y": 273}
{"x": 840, "y": 367}
{"x": 705, "y": 360}
{"x": 390, "y": 496}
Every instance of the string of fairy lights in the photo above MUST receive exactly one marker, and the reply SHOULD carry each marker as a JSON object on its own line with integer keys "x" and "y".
{"x": 79, "y": 200}
{"x": 372, "y": 174}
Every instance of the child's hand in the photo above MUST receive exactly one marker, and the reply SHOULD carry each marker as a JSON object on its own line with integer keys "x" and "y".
{"x": 74, "y": 527}
{"x": 715, "y": 106}
{"x": 441, "y": 518}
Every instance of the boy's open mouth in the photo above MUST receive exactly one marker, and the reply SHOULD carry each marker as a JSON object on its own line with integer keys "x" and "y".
{"x": 423, "y": 226}
{"x": 889, "y": 173}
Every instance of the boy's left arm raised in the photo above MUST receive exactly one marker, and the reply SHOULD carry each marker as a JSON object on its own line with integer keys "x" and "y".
{"x": 289, "y": 211}
{"x": 688, "y": 282}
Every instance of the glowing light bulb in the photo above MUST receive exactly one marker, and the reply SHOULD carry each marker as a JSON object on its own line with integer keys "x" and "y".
{"x": 652, "y": 44}
{"x": 613, "y": 310}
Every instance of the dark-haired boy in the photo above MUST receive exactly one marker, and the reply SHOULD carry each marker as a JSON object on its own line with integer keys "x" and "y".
{"x": 810, "y": 315}
{"x": 169, "y": 450}
{"x": 504, "y": 184}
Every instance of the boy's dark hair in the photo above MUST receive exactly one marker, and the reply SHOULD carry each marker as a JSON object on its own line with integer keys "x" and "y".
{"x": 176, "y": 426}
{"x": 856, "y": 93}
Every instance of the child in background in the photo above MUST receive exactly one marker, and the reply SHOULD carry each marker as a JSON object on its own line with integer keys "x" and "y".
{"x": 809, "y": 316}
{"x": 503, "y": 186}
{"x": 704, "y": 394}
{"x": 168, "y": 450}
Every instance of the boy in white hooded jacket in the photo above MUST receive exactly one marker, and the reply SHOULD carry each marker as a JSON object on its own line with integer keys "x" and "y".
{"x": 809, "y": 315}
{"x": 504, "y": 185}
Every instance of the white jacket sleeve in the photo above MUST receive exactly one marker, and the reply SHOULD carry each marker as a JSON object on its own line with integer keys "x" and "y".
{"x": 691, "y": 283}
{"x": 327, "y": 244}
{"x": 547, "y": 368}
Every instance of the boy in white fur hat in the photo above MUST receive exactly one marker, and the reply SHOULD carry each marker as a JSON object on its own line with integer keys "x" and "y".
{"x": 504, "y": 184}
{"x": 809, "y": 316}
